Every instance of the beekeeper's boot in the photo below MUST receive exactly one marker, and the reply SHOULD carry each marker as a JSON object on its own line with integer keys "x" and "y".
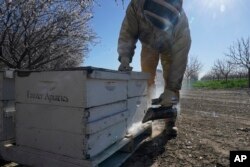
{"x": 171, "y": 130}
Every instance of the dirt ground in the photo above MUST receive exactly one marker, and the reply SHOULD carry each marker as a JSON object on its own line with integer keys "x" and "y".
{"x": 211, "y": 124}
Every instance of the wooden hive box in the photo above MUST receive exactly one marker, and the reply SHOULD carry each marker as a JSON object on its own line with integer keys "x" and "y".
{"x": 76, "y": 112}
{"x": 7, "y": 85}
{"x": 7, "y": 120}
{"x": 137, "y": 100}
{"x": 7, "y": 106}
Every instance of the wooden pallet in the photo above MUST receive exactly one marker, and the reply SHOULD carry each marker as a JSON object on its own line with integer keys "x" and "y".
{"x": 114, "y": 156}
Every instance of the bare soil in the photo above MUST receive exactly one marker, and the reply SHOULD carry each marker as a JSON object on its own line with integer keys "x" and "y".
{"x": 211, "y": 124}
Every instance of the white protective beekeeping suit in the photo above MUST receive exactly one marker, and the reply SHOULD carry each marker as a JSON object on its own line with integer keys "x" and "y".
{"x": 163, "y": 30}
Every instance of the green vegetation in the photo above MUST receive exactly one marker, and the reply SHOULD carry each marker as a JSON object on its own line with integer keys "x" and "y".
{"x": 222, "y": 84}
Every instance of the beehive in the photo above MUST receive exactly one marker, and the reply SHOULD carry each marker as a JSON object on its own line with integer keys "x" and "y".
{"x": 76, "y": 112}
{"x": 7, "y": 106}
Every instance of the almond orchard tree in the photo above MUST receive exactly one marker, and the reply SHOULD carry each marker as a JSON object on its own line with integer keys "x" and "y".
{"x": 224, "y": 67}
{"x": 44, "y": 34}
{"x": 193, "y": 68}
{"x": 239, "y": 53}
{"x": 216, "y": 72}
{"x": 209, "y": 76}
{"x": 240, "y": 73}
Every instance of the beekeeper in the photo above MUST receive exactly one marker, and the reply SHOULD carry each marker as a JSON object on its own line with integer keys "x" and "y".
{"x": 163, "y": 30}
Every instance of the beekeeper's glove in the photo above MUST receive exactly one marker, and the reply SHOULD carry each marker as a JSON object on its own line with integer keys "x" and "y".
{"x": 124, "y": 66}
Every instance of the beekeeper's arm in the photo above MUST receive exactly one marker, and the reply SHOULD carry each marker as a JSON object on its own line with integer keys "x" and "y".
{"x": 128, "y": 38}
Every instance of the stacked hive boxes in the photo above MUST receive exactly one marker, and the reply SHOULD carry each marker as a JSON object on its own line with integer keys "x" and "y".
{"x": 7, "y": 107}
{"x": 77, "y": 112}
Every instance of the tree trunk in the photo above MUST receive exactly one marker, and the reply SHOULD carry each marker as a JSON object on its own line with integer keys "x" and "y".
{"x": 248, "y": 77}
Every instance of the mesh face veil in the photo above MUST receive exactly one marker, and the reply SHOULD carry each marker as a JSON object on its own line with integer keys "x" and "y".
{"x": 163, "y": 14}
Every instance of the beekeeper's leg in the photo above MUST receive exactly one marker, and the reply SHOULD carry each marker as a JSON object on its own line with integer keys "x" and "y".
{"x": 149, "y": 62}
{"x": 170, "y": 128}
{"x": 174, "y": 67}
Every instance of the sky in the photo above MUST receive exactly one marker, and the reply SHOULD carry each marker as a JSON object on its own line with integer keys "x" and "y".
{"x": 214, "y": 26}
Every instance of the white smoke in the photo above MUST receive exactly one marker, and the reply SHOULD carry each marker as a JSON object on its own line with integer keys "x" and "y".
{"x": 159, "y": 83}
{"x": 134, "y": 128}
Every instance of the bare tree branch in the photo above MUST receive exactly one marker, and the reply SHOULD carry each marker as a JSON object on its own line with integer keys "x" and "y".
{"x": 36, "y": 34}
{"x": 239, "y": 55}
{"x": 224, "y": 67}
{"x": 193, "y": 68}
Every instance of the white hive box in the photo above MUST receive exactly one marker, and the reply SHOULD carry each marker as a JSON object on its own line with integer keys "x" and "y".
{"x": 75, "y": 88}
{"x": 77, "y": 112}
{"x": 7, "y": 120}
{"x": 67, "y": 131}
{"x": 137, "y": 84}
{"x": 7, "y": 106}
{"x": 137, "y": 100}
{"x": 137, "y": 107}
{"x": 7, "y": 85}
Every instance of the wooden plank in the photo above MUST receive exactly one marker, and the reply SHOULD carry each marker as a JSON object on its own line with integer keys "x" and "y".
{"x": 40, "y": 126}
{"x": 1, "y": 122}
{"x": 137, "y": 84}
{"x": 7, "y": 120}
{"x": 100, "y": 125}
{"x": 69, "y": 143}
{"x": 119, "y": 157}
{"x": 70, "y": 88}
{"x": 58, "y": 142}
{"x": 7, "y": 85}
{"x": 128, "y": 148}
{"x": 108, "y": 75}
{"x": 137, "y": 108}
{"x": 137, "y": 88}
{"x": 100, "y": 112}
{"x": 50, "y": 117}
{"x": 139, "y": 75}
{"x": 100, "y": 92}
{"x": 112, "y": 156}
{"x": 100, "y": 141}
{"x": 109, "y": 151}
{"x": 38, "y": 158}
{"x": 62, "y": 88}
{"x": 115, "y": 156}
